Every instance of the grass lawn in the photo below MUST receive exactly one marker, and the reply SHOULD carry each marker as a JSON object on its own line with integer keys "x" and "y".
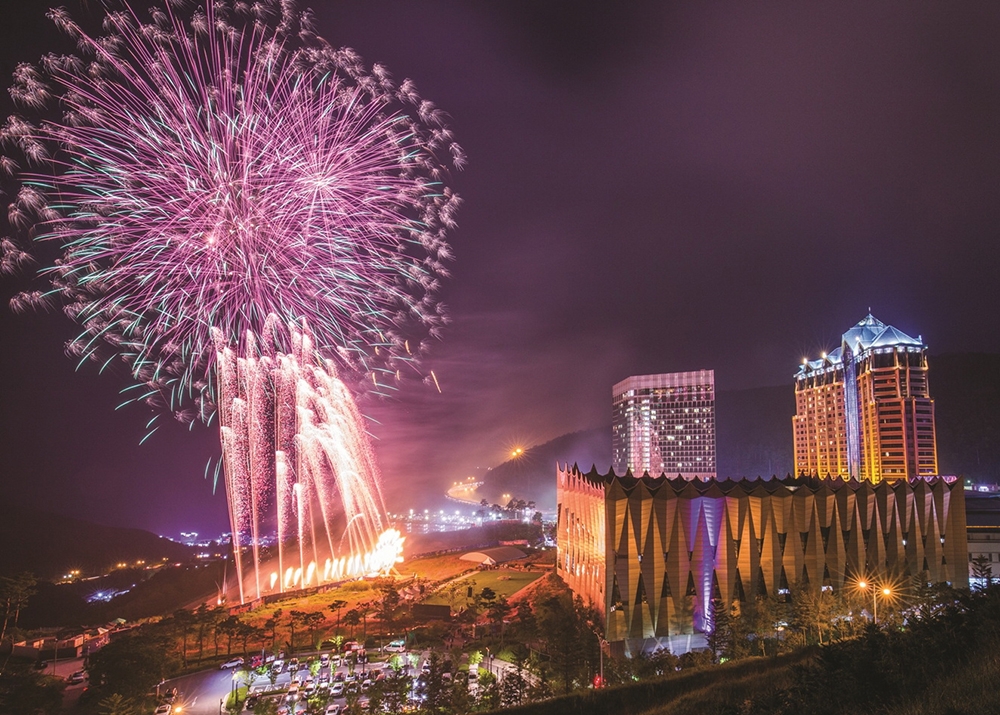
{"x": 503, "y": 582}
{"x": 435, "y": 568}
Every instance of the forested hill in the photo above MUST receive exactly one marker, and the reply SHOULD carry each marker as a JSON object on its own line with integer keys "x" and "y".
{"x": 49, "y": 545}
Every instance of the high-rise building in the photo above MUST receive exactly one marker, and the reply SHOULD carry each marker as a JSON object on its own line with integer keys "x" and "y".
{"x": 864, "y": 409}
{"x": 665, "y": 424}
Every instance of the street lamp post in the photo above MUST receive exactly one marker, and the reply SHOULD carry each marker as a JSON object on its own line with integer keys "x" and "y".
{"x": 602, "y": 643}
{"x": 886, "y": 592}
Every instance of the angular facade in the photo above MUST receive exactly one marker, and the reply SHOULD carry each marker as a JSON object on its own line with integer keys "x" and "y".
{"x": 864, "y": 410}
{"x": 670, "y": 545}
{"x": 665, "y": 424}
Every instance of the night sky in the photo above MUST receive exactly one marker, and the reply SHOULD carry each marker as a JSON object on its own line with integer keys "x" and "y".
{"x": 650, "y": 188}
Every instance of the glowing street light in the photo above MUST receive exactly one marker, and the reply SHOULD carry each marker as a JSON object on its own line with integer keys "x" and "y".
{"x": 886, "y": 593}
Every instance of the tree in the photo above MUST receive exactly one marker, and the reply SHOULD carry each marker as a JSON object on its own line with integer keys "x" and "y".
{"x": 294, "y": 618}
{"x": 271, "y": 625}
{"x": 395, "y": 690}
{"x": 116, "y": 704}
{"x": 266, "y": 706}
{"x": 566, "y": 637}
{"x": 513, "y": 687}
{"x": 246, "y": 632}
{"x": 488, "y": 698}
{"x": 23, "y": 690}
{"x": 434, "y": 689}
{"x": 387, "y": 605}
{"x": 366, "y": 608}
{"x": 131, "y": 665}
{"x": 459, "y": 700}
{"x": 312, "y": 621}
{"x": 277, "y": 622}
{"x": 721, "y": 636}
{"x": 982, "y": 571}
{"x": 182, "y": 621}
{"x": 487, "y": 595}
{"x": 229, "y": 627}
{"x": 497, "y": 612}
{"x": 335, "y": 606}
{"x": 352, "y": 618}
{"x": 205, "y": 619}
{"x": 14, "y": 594}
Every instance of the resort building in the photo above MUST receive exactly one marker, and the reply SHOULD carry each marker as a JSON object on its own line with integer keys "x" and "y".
{"x": 665, "y": 424}
{"x": 864, "y": 409}
{"x": 652, "y": 553}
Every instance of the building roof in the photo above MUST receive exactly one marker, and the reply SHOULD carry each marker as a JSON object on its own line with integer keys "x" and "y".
{"x": 695, "y": 378}
{"x": 720, "y": 487}
{"x": 498, "y": 555}
{"x": 869, "y": 333}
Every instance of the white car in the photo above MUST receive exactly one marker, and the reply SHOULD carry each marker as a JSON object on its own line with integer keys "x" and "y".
{"x": 332, "y": 709}
{"x": 395, "y": 647}
{"x": 337, "y": 689}
{"x": 234, "y": 663}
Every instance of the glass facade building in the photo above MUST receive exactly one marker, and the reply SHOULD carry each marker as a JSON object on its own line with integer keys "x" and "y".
{"x": 665, "y": 424}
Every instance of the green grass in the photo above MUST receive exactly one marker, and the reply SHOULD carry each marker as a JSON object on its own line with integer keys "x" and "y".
{"x": 435, "y": 568}
{"x": 503, "y": 582}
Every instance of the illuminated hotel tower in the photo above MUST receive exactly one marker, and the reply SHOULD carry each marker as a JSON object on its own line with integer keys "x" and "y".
{"x": 864, "y": 409}
{"x": 665, "y": 424}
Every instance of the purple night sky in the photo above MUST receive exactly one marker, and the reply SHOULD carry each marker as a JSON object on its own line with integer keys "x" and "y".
{"x": 649, "y": 189}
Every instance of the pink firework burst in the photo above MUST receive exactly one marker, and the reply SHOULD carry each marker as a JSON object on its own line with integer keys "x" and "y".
{"x": 212, "y": 170}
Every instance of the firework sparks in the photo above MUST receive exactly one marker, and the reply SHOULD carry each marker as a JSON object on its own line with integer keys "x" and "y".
{"x": 243, "y": 213}
{"x": 211, "y": 175}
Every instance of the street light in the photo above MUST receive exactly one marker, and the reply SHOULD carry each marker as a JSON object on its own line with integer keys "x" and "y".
{"x": 886, "y": 593}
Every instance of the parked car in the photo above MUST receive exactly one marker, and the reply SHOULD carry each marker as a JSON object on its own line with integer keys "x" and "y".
{"x": 395, "y": 647}
{"x": 234, "y": 663}
{"x": 278, "y": 666}
{"x": 324, "y": 659}
{"x": 337, "y": 690}
{"x": 333, "y": 709}
{"x": 77, "y": 677}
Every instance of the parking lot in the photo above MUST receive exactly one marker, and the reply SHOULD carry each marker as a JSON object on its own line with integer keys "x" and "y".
{"x": 291, "y": 681}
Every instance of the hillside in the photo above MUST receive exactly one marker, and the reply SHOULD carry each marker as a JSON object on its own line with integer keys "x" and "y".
{"x": 754, "y": 433}
{"x": 50, "y": 545}
{"x": 966, "y": 390}
{"x": 531, "y": 476}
